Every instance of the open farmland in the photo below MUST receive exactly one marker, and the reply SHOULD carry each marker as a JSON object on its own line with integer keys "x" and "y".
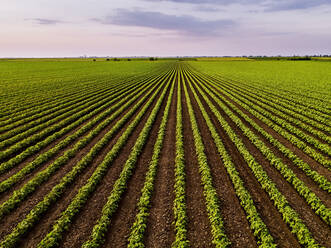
{"x": 165, "y": 153}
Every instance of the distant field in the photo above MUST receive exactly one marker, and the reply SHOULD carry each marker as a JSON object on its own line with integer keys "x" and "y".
{"x": 223, "y": 59}
{"x": 218, "y": 152}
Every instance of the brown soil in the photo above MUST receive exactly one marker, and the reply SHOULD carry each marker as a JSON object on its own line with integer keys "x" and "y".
{"x": 198, "y": 227}
{"x": 160, "y": 230}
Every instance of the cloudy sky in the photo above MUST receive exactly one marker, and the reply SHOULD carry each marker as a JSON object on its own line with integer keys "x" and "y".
{"x": 48, "y": 28}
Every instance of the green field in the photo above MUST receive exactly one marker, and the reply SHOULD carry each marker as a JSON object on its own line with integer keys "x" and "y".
{"x": 212, "y": 152}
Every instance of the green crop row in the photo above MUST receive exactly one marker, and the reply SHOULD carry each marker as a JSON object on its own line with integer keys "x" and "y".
{"x": 42, "y": 116}
{"x": 180, "y": 216}
{"x": 38, "y": 110}
{"x": 35, "y": 148}
{"x": 260, "y": 230}
{"x": 32, "y": 121}
{"x": 297, "y": 95}
{"x": 290, "y": 137}
{"x": 309, "y": 112}
{"x": 315, "y": 203}
{"x": 35, "y": 126}
{"x": 63, "y": 86}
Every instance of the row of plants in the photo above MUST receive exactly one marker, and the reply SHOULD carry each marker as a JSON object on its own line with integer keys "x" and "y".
{"x": 296, "y": 112}
{"x": 284, "y": 121}
{"x": 62, "y": 88}
{"x": 36, "y": 213}
{"x": 124, "y": 102}
{"x": 260, "y": 230}
{"x": 290, "y": 216}
{"x": 220, "y": 238}
{"x": 97, "y": 237}
{"x": 47, "y": 127}
{"x": 180, "y": 215}
{"x": 294, "y": 96}
{"x": 138, "y": 228}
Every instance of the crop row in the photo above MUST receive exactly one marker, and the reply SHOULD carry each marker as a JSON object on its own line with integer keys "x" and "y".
{"x": 287, "y": 99}
{"x": 180, "y": 216}
{"x": 51, "y": 112}
{"x": 315, "y": 203}
{"x": 66, "y": 88}
{"x": 30, "y": 122}
{"x": 93, "y": 84}
{"x": 19, "y": 195}
{"x": 35, "y": 148}
{"x": 45, "y": 107}
{"x": 83, "y": 194}
{"x": 32, "y": 128}
{"x": 319, "y": 179}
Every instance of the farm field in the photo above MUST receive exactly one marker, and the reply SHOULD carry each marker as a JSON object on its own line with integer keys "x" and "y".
{"x": 165, "y": 153}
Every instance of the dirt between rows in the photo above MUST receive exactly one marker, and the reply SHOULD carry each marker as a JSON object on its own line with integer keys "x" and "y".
{"x": 160, "y": 228}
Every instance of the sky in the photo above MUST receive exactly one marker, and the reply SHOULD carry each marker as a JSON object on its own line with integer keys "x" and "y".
{"x": 70, "y": 28}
